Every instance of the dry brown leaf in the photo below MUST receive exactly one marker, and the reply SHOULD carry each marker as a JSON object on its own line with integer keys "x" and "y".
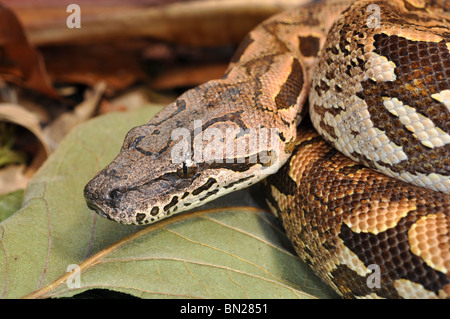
{"x": 117, "y": 63}
{"x": 59, "y": 128}
{"x": 188, "y": 76}
{"x": 27, "y": 64}
{"x": 15, "y": 177}
{"x": 12, "y": 178}
{"x": 18, "y": 115}
{"x": 209, "y": 22}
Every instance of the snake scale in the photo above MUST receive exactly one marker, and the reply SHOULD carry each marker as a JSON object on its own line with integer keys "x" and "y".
{"x": 369, "y": 195}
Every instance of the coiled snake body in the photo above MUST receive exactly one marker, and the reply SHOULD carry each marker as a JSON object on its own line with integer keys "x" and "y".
{"x": 379, "y": 92}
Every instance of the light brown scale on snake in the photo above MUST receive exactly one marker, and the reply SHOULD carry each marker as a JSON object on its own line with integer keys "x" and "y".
{"x": 379, "y": 92}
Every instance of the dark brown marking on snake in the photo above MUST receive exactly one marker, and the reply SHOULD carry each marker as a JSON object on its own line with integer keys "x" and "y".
{"x": 334, "y": 51}
{"x": 269, "y": 198}
{"x": 185, "y": 195}
{"x": 181, "y": 106}
{"x": 245, "y": 43}
{"x": 414, "y": 61}
{"x": 291, "y": 88}
{"x": 239, "y": 181}
{"x": 349, "y": 170}
{"x": 236, "y": 167}
{"x": 321, "y": 88}
{"x": 259, "y": 66}
{"x": 135, "y": 142}
{"x": 172, "y": 203}
{"x": 258, "y": 100}
{"x": 387, "y": 256}
{"x": 272, "y": 29}
{"x": 412, "y": 13}
{"x": 343, "y": 40}
{"x": 238, "y": 164}
{"x": 234, "y": 117}
{"x": 208, "y": 194}
{"x": 343, "y": 276}
{"x": 360, "y": 63}
{"x": 309, "y": 46}
{"x": 154, "y": 211}
{"x": 140, "y": 217}
{"x": 348, "y": 70}
{"x": 148, "y": 153}
{"x": 327, "y": 128}
{"x": 211, "y": 181}
{"x": 287, "y": 185}
{"x": 218, "y": 95}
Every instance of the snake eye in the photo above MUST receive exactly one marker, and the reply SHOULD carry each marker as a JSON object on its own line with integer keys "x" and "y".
{"x": 115, "y": 196}
{"x": 186, "y": 171}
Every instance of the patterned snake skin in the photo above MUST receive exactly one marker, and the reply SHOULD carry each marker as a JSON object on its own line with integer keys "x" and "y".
{"x": 370, "y": 215}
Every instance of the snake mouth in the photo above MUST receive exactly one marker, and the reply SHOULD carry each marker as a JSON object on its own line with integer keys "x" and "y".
{"x": 93, "y": 206}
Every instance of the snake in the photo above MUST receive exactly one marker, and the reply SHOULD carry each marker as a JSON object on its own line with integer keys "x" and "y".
{"x": 340, "y": 110}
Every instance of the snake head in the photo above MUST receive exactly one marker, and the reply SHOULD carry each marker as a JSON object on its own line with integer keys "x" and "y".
{"x": 177, "y": 161}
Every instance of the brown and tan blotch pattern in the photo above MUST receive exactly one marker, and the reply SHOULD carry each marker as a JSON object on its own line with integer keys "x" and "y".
{"x": 343, "y": 217}
{"x": 381, "y": 95}
{"x": 376, "y": 79}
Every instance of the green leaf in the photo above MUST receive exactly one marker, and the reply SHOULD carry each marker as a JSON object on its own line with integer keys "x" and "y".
{"x": 10, "y": 203}
{"x": 216, "y": 253}
{"x": 7, "y": 154}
